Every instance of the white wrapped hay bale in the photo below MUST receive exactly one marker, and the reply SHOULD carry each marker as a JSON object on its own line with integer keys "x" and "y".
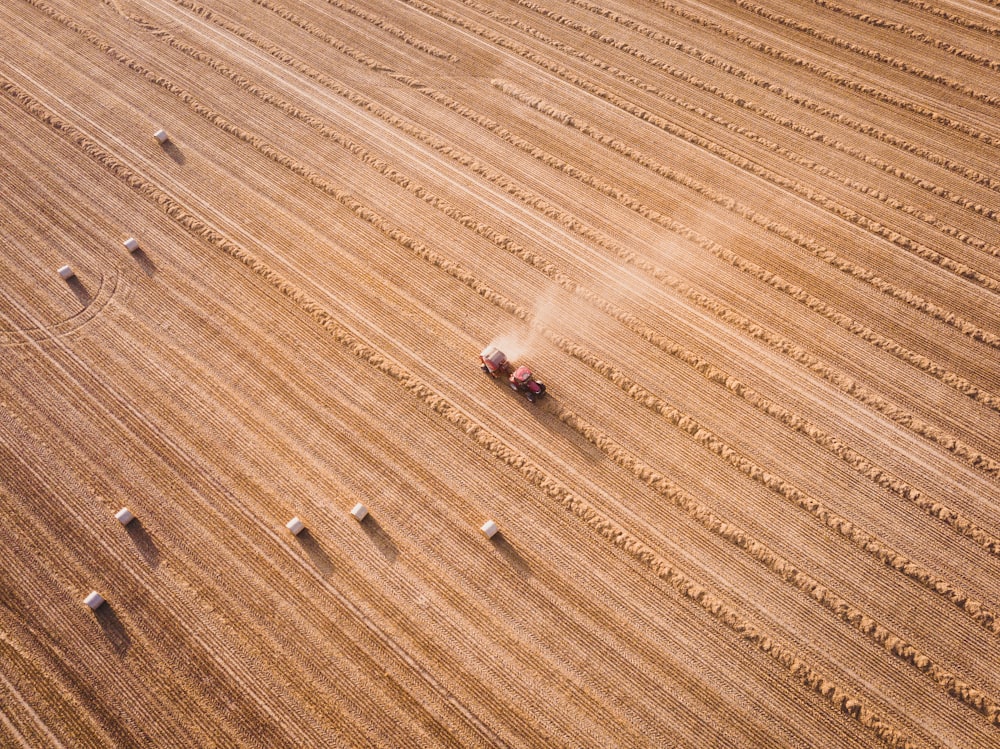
{"x": 489, "y": 529}
{"x": 66, "y": 273}
{"x": 124, "y": 516}
{"x": 131, "y": 244}
{"x": 161, "y": 136}
{"x": 295, "y": 525}
{"x": 94, "y": 600}
{"x": 359, "y": 512}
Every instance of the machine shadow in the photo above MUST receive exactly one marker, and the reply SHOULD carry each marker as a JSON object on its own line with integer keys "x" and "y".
{"x": 79, "y": 290}
{"x": 380, "y": 538}
{"x": 546, "y": 411}
{"x": 113, "y": 629}
{"x": 144, "y": 262}
{"x": 174, "y": 152}
{"x": 143, "y": 542}
{"x": 513, "y": 557}
{"x": 316, "y": 552}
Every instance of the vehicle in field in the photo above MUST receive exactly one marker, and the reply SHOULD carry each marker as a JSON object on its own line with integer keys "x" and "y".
{"x": 495, "y": 363}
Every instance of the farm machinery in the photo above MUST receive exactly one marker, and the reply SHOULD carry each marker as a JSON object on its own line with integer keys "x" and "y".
{"x": 520, "y": 379}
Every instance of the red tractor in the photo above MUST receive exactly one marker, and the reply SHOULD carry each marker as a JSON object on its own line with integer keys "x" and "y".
{"x": 495, "y": 364}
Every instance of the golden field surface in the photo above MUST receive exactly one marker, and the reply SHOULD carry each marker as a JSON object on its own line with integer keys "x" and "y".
{"x": 751, "y": 246}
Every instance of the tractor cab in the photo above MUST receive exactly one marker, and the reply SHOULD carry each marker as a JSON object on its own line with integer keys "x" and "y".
{"x": 523, "y": 381}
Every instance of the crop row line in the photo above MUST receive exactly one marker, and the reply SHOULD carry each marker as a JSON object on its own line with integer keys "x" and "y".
{"x": 797, "y": 497}
{"x": 867, "y": 542}
{"x": 920, "y": 36}
{"x": 213, "y": 657}
{"x": 382, "y": 24}
{"x": 864, "y": 624}
{"x": 838, "y": 79}
{"x": 868, "y": 130}
{"x": 17, "y": 663}
{"x": 785, "y": 570}
{"x": 199, "y": 228}
{"x": 910, "y": 298}
{"x": 874, "y": 473}
{"x": 843, "y": 382}
{"x": 732, "y": 317}
{"x": 955, "y": 18}
{"x": 828, "y": 256}
{"x": 808, "y": 132}
{"x": 847, "y": 385}
{"x": 537, "y": 476}
{"x": 878, "y": 56}
{"x": 750, "y": 167}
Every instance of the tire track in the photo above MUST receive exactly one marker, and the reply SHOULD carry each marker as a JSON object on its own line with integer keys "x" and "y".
{"x": 175, "y": 455}
{"x": 211, "y": 656}
{"x": 916, "y": 248}
{"x": 221, "y": 508}
{"x": 858, "y": 272}
{"x": 773, "y": 280}
{"x": 15, "y": 696}
{"x": 606, "y": 527}
{"x": 954, "y": 18}
{"x": 912, "y": 33}
{"x": 846, "y": 528}
{"x": 382, "y": 24}
{"x": 210, "y": 235}
{"x": 65, "y": 667}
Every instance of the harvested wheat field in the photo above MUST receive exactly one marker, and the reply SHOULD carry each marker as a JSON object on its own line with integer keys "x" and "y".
{"x": 753, "y": 250}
